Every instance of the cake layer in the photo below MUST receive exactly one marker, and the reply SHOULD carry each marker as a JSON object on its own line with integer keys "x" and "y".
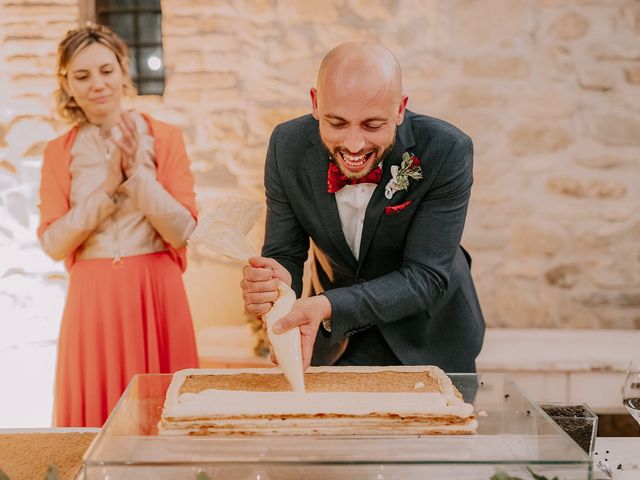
{"x": 321, "y": 426}
{"x": 315, "y": 381}
{"x": 338, "y": 400}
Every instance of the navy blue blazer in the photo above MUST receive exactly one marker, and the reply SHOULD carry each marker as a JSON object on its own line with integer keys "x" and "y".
{"x": 412, "y": 279}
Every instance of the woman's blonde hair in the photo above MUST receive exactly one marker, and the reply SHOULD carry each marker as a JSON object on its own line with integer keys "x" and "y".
{"x": 73, "y": 42}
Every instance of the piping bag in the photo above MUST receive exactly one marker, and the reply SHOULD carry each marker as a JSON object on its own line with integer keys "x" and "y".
{"x": 224, "y": 231}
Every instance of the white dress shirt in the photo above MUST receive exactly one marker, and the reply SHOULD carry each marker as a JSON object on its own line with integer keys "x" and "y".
{"x": 352, "y": 201}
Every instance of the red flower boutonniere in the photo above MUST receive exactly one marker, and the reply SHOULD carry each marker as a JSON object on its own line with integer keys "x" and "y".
{"x": 397, "y": 208}
{"x": 400, "y": 175}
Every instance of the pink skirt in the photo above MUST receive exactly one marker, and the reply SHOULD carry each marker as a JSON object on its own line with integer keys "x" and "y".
{"x": 118, "y": 322}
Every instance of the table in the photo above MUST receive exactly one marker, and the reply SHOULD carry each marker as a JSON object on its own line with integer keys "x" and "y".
{"x": 616, "y": 450}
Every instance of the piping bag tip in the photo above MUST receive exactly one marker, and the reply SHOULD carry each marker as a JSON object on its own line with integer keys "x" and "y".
{"x": 287, "y": 346}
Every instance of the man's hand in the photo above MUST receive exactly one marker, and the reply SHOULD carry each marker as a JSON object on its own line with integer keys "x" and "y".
{"x": 260, "y": 284}
{"x": 306, "y": 313}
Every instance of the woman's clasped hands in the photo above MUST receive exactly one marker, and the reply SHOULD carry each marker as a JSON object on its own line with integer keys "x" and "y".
{"x": 122, "y": 162}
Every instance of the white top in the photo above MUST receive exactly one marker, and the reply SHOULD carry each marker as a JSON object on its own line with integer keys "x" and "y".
{"x": 352, "y": 201}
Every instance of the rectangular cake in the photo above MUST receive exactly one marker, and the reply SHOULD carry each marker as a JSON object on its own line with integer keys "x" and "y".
{"x": 337, "y": 401}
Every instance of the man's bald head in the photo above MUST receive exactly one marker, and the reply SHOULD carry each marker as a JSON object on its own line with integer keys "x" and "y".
{"x": 348, "y": 64}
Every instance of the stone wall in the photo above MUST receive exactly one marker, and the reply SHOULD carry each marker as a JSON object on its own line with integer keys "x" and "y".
{"x": 549, "y": 90}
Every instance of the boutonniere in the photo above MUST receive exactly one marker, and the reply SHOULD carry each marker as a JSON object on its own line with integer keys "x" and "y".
{"x": 409, "y": 168}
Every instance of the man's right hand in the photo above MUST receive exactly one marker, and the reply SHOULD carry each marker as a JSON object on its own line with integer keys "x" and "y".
{"x": 260, "y": 284}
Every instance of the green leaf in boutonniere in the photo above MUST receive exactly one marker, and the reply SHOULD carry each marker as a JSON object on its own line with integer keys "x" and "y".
{"x": 3, "y": 476}
{"x": 400, "y": 175}
{"x": 202, "y": 476}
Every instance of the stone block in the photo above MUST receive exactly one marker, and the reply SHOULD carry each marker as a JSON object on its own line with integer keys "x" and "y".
{"x": 558, "y": 62}
{"x": 619, "y": 212}
{"x": 51, "y": 10}
{"x": 216, "y": 177}
{"x": 179, "y": 26}
{"x": 270, "y": 117}
{"x": 546, "y": 102}
{"x": 478, "y": 124}
{"x": 522, "y": 303}
{"x": 630, "y": 13}
{"x": 207, "y": 42}
{"x": 30, "y": 65}
{"x": 615, "y": 129}
{"x": 611, "y": 277}
{"x": 593, "y": 188}
{"x": 374, "y": 10}
{"x": 570, "y": 314}
{"x": 569, "y": 26}
{"x": 528, "y": 268}
{"x": 564, "y": 275}
{"x": 29, "y": 47}
{"x": 478, "y": 22}
{"x": 260, "y": 8}
{"x": 596, "y": 78}
{"x": 202, "y": 80}
{"x": 617, "y": 47}
{"x": 632, "y": 74}
{"x": 27, "y": 131}
{"x": 315, "y": 11}
{"x": 482, "y": 240}
{"x": 538, "y": 138}
{"x": 499, "y": 68}
{"x": 538, "y": 239}
{"x": 602, "y": 161}
{"x": 475, "y": 96}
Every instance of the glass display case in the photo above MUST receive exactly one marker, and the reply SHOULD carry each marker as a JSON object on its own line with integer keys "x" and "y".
{"x": 514, "y": 438}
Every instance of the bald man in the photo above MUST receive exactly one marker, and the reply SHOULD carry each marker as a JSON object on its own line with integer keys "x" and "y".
{"x": 382, "y": 193}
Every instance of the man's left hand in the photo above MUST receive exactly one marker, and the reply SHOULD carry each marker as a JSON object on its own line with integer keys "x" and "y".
{"x": 306, "y": 313}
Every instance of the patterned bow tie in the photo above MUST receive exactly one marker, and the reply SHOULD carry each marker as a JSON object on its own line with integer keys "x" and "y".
{"x": 336, "y": 180}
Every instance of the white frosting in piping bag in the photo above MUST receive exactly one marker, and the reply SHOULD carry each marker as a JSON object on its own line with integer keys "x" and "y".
{"x": 286, "y": 346}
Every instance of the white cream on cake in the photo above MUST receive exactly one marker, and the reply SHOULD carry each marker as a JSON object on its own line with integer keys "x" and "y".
{"x": 212, "y": 411}
{"x": 286, "y": 346}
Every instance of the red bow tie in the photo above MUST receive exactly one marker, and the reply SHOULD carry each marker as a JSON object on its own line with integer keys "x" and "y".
{"x": 336, "y": 180}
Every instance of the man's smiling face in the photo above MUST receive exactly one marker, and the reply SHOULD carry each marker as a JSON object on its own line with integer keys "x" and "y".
{"x": 358, "y": 111}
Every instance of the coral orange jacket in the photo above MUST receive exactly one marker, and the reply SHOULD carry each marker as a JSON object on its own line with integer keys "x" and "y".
{"x": 172, "y": 170}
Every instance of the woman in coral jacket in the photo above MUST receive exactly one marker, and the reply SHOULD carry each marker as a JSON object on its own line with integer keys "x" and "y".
{"x": 117, "y": 204}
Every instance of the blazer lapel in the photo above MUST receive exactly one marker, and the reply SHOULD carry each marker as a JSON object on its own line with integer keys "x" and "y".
{"x": 317, "y": 160}
{"x": 378, "y": 202}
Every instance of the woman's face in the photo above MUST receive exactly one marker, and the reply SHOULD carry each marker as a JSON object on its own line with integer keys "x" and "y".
{"x": 96, "y": 82}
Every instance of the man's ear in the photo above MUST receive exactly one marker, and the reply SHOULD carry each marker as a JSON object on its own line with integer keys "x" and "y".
{"x": 401, "y": 109}
{"x": 314, "y": 103}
